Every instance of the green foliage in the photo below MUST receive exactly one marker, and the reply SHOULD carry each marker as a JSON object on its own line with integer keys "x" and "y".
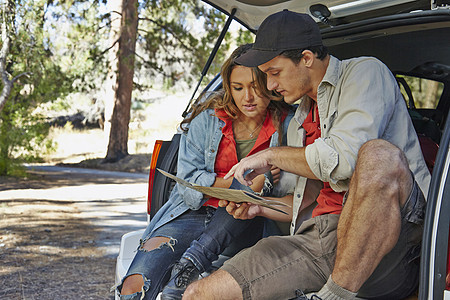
{"x": 244, "y": 37}
{"x": 22, "y": 132}
{"x": 176, "y": 38}
{"x": 23, "y": 137}
{"x": 78, "y": 35}
{"x": 64, "y": 46}
{"x": 426, "y": 93}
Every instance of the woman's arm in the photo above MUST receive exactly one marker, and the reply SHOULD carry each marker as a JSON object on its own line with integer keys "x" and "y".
{"x": 245, "y": 211}
{"x": 192, "y": 163}
{"x": 226, "y": 183}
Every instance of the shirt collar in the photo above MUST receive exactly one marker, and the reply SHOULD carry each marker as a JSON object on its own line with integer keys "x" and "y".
{"x": 332, "y": 74}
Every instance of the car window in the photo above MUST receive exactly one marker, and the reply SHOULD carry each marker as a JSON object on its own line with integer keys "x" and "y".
{"x": 426, "y": 93}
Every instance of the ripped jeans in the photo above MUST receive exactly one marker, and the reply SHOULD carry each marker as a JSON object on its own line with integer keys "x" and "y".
{"x": 214, "y": 234}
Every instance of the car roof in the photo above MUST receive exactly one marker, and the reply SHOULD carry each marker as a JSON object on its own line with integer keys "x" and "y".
{"x": 251, "y": 13}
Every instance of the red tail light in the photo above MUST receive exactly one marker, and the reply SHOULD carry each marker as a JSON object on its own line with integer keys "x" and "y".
{"x": 151, "y": 176}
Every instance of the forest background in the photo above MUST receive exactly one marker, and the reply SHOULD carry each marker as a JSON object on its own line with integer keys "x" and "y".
{"x": 95, "y": 81}
{"x": 99, "y": 80}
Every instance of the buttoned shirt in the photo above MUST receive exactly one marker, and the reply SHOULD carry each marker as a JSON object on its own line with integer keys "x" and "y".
{"x": 358, "y": 100}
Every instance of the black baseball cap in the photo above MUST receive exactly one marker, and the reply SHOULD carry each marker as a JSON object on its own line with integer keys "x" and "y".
{"x": 281, "y": 31}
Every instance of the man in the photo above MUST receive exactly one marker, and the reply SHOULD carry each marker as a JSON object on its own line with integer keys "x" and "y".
{"x": 352, "y": 132}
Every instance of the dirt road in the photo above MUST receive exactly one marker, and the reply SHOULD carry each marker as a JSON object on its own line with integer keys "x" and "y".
{"x": 60, "y": 231}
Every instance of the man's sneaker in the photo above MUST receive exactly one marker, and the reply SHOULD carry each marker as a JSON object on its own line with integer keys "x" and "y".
{"x": 183, "y": 273}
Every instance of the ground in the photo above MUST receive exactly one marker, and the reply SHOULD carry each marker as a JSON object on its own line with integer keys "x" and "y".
{"x": 47, "y": 249}
{"x": 139, "y": 163}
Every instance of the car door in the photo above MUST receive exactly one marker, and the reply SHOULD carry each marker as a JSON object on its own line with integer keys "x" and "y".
{"x": 435, "y": 244}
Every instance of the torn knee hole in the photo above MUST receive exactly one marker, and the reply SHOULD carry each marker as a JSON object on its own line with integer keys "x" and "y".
{"x": 157, "y": 243}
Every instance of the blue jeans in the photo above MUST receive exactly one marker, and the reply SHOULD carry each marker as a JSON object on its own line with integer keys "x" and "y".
{"x": 206, "y": 249}
{"x": 214, "y": 229}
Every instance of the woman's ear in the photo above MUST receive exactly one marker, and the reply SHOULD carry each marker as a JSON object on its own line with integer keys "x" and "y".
{"x": 308, "y": 58}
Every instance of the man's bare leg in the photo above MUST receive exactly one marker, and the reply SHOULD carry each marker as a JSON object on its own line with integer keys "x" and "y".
{"x": 370, "y": 222}
{"x": 219, "y": 285}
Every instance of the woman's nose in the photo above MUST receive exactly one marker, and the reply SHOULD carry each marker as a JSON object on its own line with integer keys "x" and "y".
{"x": 249, "y": 94}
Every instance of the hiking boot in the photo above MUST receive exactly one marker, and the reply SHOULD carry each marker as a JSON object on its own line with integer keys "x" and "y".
{"x": 183, "y": 273}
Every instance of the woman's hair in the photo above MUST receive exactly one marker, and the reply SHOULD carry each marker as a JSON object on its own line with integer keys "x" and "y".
{"x": 223, "y": 100}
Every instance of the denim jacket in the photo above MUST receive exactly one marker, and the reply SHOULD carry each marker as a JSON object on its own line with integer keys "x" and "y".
{"x": 196, "y": 159}
{"x": 358, "y": 100}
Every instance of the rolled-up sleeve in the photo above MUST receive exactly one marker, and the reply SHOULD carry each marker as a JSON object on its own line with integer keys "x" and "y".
{"x": 365, "y": 105}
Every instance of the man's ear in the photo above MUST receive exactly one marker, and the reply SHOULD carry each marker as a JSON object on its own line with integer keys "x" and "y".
{"x": 308, "y": 58}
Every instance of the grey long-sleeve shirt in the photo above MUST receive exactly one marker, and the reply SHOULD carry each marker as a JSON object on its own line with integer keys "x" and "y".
{"x": 358, "y": 100}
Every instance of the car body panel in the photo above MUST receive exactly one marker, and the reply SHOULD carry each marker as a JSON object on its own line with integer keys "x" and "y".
{"x": 251, "y": 13}
{"x": 128, "y": 245}
{"x": 436, "y": 227}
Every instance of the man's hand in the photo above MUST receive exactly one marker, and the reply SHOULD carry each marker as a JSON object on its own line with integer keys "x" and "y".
{"x": 258, "y": 163}
{"x": 241, "y": 211}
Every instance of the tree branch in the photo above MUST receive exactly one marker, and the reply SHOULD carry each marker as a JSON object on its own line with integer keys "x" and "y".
{"x": 169, "y": 30}
{"x": 145, "y": 63}
{"x": 20, "y": 75}
{"x": 110, "y": 47}
{"x": 116, "y": 12}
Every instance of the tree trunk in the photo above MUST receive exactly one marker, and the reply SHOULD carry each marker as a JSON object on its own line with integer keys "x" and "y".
{"x": 118, "y": 114}
{"x": 6, "y": 40}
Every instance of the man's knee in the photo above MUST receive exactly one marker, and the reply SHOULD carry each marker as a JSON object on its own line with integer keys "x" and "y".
{"x": 192, "y": 290}
{"x": 379, "y": 157}
{"x": 219, "y": 284}
{"x": 381, "y": 151}
{"x": 383, "y": 166}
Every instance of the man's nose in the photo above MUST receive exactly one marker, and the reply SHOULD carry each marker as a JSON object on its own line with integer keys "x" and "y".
{"x": 271, "y": 84}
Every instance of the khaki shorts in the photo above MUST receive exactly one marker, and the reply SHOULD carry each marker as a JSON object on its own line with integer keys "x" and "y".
{"x": 278, "y": 266}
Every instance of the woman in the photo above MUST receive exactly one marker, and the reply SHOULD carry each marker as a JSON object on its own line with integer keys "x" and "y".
{"x": 245, "y": 120}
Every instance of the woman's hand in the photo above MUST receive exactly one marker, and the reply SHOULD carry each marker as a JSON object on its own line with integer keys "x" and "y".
{"x": 275, "y": 171}
{"x": 241, "y": 211}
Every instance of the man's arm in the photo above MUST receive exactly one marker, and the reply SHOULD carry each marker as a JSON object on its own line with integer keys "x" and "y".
{"x": 290, "y": 159}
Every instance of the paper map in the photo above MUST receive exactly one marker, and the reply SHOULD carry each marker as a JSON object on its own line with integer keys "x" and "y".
{"x": 237, "y": 196}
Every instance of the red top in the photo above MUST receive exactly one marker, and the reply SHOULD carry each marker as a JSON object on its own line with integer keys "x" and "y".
{"x": 328, "y": 201}
{"x": 227, "y": 155}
